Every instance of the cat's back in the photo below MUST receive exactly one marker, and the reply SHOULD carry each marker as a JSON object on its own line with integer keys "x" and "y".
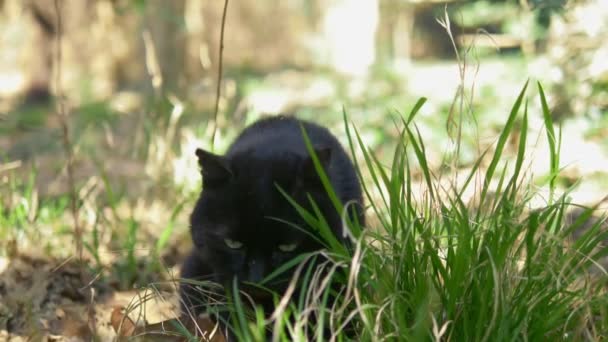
{"x": 280, "y": 133}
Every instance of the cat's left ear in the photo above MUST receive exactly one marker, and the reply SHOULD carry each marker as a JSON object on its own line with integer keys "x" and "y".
{"x": 308, "y": 171}
{"x": 215, "y": 169}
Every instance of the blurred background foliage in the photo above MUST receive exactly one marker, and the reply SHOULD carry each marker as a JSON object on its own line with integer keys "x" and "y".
{"x": 139, "y": 77}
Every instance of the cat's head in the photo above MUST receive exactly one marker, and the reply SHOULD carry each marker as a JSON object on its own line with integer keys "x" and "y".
{"x": 244, "y": 225}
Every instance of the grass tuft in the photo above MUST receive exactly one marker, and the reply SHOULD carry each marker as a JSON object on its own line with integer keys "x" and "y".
{"x": 433, "y": 267}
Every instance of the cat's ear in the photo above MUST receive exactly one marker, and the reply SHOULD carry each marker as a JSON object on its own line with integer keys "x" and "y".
{"x": 308, "y": 173}
{"x": 215, "y": 169}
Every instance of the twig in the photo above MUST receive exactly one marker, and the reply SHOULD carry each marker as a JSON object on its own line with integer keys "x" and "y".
{"x": 219, "y": 75}
{"x": 67, "y": 144}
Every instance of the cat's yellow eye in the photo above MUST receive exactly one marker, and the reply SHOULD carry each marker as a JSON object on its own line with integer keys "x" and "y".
{"x": 233, "y": 244}
{"x": 288, "y": 247}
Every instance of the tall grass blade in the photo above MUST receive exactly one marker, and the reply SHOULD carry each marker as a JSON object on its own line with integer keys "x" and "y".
{"x": 551, "y": 139}
{"x": 502, "y": 140}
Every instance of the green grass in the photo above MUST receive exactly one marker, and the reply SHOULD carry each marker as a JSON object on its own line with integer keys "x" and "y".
{"x": 435, "y": 267}
{"x": 432, "y": 264}
{"x": 30, "y": 222}
{"x": 23, "y": 214}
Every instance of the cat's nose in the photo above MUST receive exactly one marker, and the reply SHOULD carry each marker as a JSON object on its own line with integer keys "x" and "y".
{"x": 256, "y": 271}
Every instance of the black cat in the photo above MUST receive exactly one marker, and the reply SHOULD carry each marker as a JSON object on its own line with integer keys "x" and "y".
{"x": 238, "y": 225}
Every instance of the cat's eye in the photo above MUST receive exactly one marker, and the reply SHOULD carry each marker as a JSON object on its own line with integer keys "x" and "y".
{"x": 233, "y": 244}
{"x": 288, "y": 247}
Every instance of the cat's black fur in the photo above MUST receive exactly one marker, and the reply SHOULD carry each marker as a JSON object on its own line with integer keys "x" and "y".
{"x": 240, "y": 202}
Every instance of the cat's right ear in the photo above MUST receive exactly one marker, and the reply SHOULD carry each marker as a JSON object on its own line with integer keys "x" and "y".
{"x": 215, "y": 169}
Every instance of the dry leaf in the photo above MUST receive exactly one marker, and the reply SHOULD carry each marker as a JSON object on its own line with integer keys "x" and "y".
{"x": 121, "y": 323}
{"x": 166, "y": 330}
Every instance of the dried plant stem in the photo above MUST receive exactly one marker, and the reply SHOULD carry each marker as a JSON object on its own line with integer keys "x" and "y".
{"x": 65, "y": 130}
{"x": 219, "y": 75}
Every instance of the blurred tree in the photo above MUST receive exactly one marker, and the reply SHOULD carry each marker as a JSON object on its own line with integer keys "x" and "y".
{"x": 577, "y": 47}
